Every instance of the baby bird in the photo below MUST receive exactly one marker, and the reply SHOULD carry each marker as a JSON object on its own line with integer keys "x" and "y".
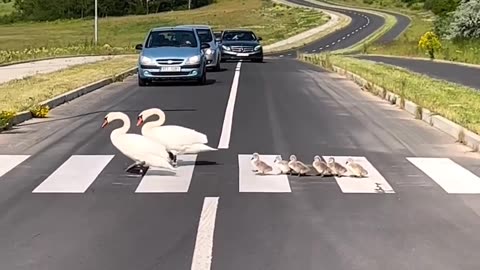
{"x": 336, "y": 168}
{"x": 356, "y": 169}
{"x": 260, "y": 166}
{"x": 321, "y": 167}
{"x": 298, "y": 166}
{"x": 281, "y": 165}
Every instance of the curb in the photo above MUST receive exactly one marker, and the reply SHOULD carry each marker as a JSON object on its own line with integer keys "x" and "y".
{"x": 73, "y": 94}
{"x": 461, "y": 134}
{"x": 421, "y": 59}
{"x": 336, "y": 22}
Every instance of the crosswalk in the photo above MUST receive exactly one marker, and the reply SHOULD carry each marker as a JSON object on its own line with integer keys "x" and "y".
{"x": 78, "y": 172}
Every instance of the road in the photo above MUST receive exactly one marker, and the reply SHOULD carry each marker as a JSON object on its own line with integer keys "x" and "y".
{"x": 89, "y": 214}
{"x": 364, "y": 24}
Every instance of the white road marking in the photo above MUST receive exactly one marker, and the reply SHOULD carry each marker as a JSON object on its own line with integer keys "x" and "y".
{"x": 373, "y": 183}
{"x": 327, "y": 46}
{"x": 452, "y": 177}
{"x": 227, "y": 121}
{"x": 343, "y": 37}
{"x": 8, "y": 162}
{"x": 314, "y": 50}
{"x": 348, "y": 35}
{"x": 321, "y": 48}
{"x": 339, "y": 40}
{"x": 356, "y": 30}
{"x": 289, "y": 54}
{"x": 333, "y": 43}
{"x": 202, "y": 254}
{"x": 162, "y": 181}
{"x": 75, "y": 175}
{"x": 249, "y": 182}
{"x": 353, "y": 32}
{"x": 281, "y": 55}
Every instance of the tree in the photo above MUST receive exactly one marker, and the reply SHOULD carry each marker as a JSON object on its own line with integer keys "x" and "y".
{"x": 466, "y": 21}
{"x": 430, "y": 43}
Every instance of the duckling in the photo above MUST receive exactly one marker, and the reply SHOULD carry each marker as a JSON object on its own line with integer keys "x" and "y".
{"x": 261, "y": 167}
{"x": 298, "y": 166}
{"x": 336, "y": 168}
{"x": 281, "y": 165}
{"x": 321, "y": 167}
{"x": 356, "y": 169}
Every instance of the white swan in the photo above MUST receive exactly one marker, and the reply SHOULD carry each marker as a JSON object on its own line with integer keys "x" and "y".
{"x": 144, "y": 151}
{"x": 176, "y": 139}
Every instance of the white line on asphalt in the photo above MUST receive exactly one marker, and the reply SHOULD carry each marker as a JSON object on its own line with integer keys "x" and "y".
{"x": 327, "y": 46}
{"x": 249, "y": 182}
{"x": 227, "y": 121}
{"x": 353, "y": 32}
{"x": 314, "y": 50}
{"x": 452, "y": 177}
{"x": 343, "y": 37}
{"x": 202, "y": 254}
{"x": 162, "y": 181}
{"x": 374, "y": 183}
{"x": 339, "y": 40}
{"x": 8, "y": 162}
{"x": 75, "y": 175}
{"x": 289, "y": 54}
{"x": 356, "y": 30}
{"x": 321, "y": 48}
{"x": 281, "y": 55}
{"x": 348, "y": 35}
{"x": 333, "y": 43}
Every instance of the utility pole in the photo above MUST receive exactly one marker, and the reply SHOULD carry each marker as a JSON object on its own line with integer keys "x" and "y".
{"x": 189, "y": 3}
{"x": 96, "y": 22}
{"x": 147, "y": 6}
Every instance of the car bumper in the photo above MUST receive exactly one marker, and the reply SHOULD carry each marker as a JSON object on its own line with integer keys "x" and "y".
{"x": 185, "y": 73}
{"x": 211, "y": 60}
{"x": 228, "y": 55}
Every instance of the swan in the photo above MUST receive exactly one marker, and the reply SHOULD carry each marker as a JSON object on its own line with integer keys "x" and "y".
{"x": 176, "y": 139}
{"x": 144, "y": 151}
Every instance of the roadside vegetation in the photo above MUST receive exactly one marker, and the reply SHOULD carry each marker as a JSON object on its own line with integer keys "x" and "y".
{"x": 27, "y": 94}
{"x": 118, "y": 35}
{"x": 6, "y": 8}
{"x": 457, "y": 103}
{"x": 454, "y": 23}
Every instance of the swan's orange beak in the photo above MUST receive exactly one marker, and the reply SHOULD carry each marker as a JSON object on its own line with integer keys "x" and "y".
{"x": 139, "y": 120}
{"x": 105, "y": 122}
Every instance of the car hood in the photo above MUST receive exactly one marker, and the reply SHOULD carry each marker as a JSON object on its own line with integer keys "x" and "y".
{"x": 170, "y": 52}
{"x": 240, "y": 43}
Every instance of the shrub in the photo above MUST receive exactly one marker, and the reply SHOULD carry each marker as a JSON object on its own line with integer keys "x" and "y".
{"x": 40, "y": 111}
{"x": 430, "y": 43}
{"x": 6, "y": 119}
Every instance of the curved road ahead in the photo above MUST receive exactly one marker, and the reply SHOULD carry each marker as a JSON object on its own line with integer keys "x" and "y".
{"x": 363, "y": 24}
{"x": 66, "y": 202}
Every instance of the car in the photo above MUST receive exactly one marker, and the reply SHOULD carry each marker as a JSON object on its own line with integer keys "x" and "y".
{"x": 213, "y": 53}
{"x": 241, "y": 44}
{"x": 172, "y": 53}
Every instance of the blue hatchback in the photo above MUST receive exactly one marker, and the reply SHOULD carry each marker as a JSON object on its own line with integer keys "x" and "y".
{"x": 172, "y": 53}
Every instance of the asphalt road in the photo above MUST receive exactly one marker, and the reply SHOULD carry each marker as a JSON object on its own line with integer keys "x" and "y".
{"x": 399, "y": 218}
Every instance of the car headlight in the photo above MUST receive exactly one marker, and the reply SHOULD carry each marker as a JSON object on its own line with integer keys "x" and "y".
{"x": 226, "y": 48}
{"x": 258, "y": 47}
{"x": 209, "y": 51}
{"x": 193, "y": 60}
{"x": 147, "y": 61}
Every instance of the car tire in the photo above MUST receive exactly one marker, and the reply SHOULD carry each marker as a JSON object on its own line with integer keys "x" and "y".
{"x": 217, "y": 66}
{"x": 203, "y": 80}
{"x": 142, "y": 82}
{"x": 260, "y": 60}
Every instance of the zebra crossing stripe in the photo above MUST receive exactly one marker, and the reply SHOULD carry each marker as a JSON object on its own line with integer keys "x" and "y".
{"x": 163, "y": 181}
{"x": 249, "y": 182}
{"x": 373, "y": 183}
{"x": 75, "y": 175}
{"x": 452, "y": 177}
{"x": 8, "y": 162}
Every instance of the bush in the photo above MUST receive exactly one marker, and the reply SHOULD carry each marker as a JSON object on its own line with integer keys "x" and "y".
{"x": 6, "y": 119}
{"x": 466, "y": 21}
{"x": 430, "y": 43}
{"x": 40, "y": 111}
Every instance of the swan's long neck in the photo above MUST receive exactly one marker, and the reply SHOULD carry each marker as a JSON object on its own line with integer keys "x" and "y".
{"x": 123, "y": 129}
{"x": 149, "y": 125}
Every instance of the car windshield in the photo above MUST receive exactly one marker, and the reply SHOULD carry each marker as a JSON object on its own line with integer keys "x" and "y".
{"x": 239, "y": 35}
{"x": 205, "y": 35}
{"x": 171, "y": 38}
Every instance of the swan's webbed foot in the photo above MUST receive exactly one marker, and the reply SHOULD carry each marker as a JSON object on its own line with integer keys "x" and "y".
{"x": 136, "y": 165}
{"x": 173, "y": 158}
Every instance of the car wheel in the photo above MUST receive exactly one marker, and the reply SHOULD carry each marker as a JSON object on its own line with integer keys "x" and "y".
{"x": 217, "y": 67}
{"x": 203, "y": 80}
{"x": 142, "y": 82}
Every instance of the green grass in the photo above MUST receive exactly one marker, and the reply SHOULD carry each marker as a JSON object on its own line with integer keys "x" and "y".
{"x": 23, "y": 94}
{"x": 6, "y": 8}
{"x": 457, "y": 103}
{"x": 422, "y": 21}
{"x": 74, "y": 37}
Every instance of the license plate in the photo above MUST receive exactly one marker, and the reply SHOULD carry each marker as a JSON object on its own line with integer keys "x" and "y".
{"x": 242, "y": 54}
{"x": 170, "y": 69}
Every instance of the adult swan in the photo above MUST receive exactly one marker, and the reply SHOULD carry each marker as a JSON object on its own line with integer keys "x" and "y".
{"x": 177, "y": 139}
{"x": 143, "y": 151}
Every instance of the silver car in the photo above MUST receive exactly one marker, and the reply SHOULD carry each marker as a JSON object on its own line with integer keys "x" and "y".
{"x": 213, "y": 54}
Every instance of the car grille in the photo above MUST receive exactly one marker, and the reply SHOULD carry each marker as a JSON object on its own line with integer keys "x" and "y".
{"x": 242, "y": 49}
{"x": 172, "y": 61}
{"x": 170, "y": 73}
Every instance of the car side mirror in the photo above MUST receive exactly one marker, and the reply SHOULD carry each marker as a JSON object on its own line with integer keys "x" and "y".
{"x": 139, "y": 47}
{"x": 260, "y": 38}
{"x": 205, "y": 46}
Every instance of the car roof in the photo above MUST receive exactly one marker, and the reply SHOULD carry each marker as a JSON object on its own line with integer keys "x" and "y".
{"x": 172, "y": 28}
{"x": 196, "y": 26}
{"x": 237, "y": 30}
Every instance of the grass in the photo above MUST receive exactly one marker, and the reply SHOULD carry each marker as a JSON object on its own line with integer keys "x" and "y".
{"x": 271, "y": 21}
{"x": 457, "y": 103}
{"x": 6, "y": 8}
{"x": 24, "y": 94}
{"x": 422, "y": 21}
